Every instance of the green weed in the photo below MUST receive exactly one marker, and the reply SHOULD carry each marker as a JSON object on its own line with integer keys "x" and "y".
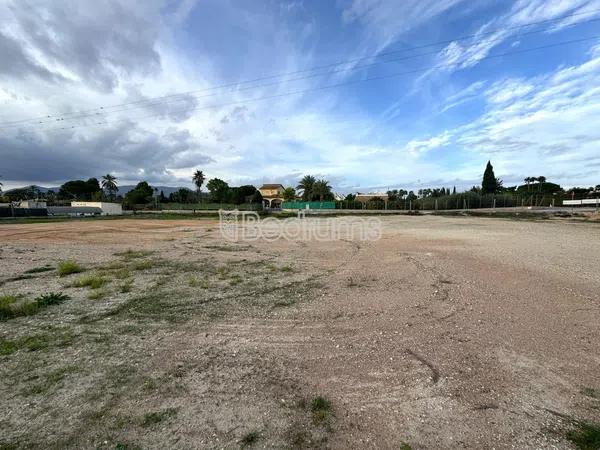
{"x": 321, "y": 409}
{"x": 586, "y": 436}
{"x": 91, "y": 281}
{"x": 68, "y": 267}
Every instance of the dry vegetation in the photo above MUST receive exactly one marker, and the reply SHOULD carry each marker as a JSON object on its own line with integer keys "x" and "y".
{"x": 162, "y": 335}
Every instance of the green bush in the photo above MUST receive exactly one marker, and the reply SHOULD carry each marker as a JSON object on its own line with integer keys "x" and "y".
{"x": 91, "y": 281}
{"x": 68, "y": 267}
{"x": 52, "y": 298}
{"x": 586, "y": 437}
{"x": 9, "y": 308}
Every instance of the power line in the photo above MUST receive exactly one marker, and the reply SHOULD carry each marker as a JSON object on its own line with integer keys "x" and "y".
{"x": 159, "y": 100}
{"x": 347, "y": 83}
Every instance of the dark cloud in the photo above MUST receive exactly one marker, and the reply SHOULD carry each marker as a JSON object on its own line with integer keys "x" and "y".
{"x": 95, "y": 40}
{"x": 126, "y": 150}
{"x": 17, "y": 63}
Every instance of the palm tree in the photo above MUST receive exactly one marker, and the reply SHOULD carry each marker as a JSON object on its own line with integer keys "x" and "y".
{"x": 289, "y": 194}
{"x": 306, "y": 186}
{"x": 198, "y": 180}
{"x": 109, "y": 183}
{"x": 528, "y": 180}
{"x": 541, "y": 180}
{"x": 321, "y": 189}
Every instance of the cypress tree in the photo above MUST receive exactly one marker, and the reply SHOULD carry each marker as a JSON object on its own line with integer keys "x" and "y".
{"x": 489, "y": 184}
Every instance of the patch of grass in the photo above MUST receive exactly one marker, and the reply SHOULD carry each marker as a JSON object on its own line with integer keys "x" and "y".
{"x": 586, "y": 436}
{"x": 36, "y": 342}
{"x": 10, "y": 308}
{"x": 222, "y": 272}
{"x": 67, "y": 268}
{"x": 590, "y": 392}
{"x": 6, "y": 308}
{"x": 153, "y": 418}
{"x": 39, "y": 269}
{"x": 235, "y": 279}
{"x": 143, "y": 265}
{"x": 91, "y": 281}
{"x": 130, "y": 254}
{"x": 250, "y": 438}
{"x": 8, "y": 446}
{"x": 126, "y": 287}
{"x": 194, "y": 281}
{"x": 405, "y": 446}
{"x": 7, "y": 347}
{"x": 49, "y": 381}
{"x": 126, "y": 446}
{"x": 321, "y": 409}
{"x": 31, "y": 343}
{"x": 122, "y": 274}
{"x": 287, "y": 269}
{"x": 97, "y": 294}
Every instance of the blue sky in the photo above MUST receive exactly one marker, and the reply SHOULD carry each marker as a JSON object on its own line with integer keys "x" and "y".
{"x": 433, "y": 118}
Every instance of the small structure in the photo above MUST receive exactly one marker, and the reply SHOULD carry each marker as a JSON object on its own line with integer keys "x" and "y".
{"x": 32, "y": 204}
{"x": 74, "y": 211}
{"x": 272, "y": 195}
{"x": 365, "y": 198}
{"x": 106, "y": 208}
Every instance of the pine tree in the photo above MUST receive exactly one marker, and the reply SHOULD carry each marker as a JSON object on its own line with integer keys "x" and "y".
{"x": 489, "y": 184}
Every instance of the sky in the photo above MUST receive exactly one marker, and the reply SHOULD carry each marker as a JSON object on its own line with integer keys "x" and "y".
{"x": 370, "y": 94}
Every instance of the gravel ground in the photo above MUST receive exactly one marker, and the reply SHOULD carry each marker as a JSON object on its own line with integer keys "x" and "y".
{"x": 448, "y": 332}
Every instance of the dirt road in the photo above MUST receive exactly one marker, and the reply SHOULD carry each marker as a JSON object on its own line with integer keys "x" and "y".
{"x": 445, "y": 333}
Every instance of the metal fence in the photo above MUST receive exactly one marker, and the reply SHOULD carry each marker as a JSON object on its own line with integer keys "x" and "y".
{"x": 466, "y": 200}
{"x": 309, "y": 205}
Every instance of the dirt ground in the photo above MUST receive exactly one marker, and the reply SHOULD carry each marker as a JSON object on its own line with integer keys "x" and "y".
{"x": 448, "y": 332}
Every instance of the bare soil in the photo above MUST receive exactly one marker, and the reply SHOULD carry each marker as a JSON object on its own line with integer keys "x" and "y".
{"x": 448, "y": 332}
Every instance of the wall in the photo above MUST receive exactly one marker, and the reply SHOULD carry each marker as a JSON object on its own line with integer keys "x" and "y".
{"x": 112, "y": 209}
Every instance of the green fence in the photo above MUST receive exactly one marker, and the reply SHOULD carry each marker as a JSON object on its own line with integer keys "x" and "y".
{"x": 308, "y": 205}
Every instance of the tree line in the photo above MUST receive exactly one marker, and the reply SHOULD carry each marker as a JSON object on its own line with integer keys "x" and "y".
{"x": 309, "y": 188}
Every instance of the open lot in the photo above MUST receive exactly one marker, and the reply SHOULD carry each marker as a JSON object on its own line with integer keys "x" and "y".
{"x": 448, "y": 332}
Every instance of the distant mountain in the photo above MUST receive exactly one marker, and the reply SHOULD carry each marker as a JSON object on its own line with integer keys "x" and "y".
{"x": 167, "y": 190}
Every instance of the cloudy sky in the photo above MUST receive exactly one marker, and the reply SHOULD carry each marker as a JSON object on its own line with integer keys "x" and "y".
{"x": 371, "y": 94}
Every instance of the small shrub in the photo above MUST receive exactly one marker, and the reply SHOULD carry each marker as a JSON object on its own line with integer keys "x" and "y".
{"x": 586, "y": 436}
{"x": 6, "y": 308}
{"x": 250, "y": 438}
{"x": 143, "y": 265}
{"x": 122, "y": 274}
{"x": 97, "y": 294}
{"x": 67, "y": 268}
{"x": 126, "y": 287}
{"x": 7, "y": 347}
{"x": 51, "y": 298}
{"x": 91, "y": 281}
{"x": 321, "y": 409}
